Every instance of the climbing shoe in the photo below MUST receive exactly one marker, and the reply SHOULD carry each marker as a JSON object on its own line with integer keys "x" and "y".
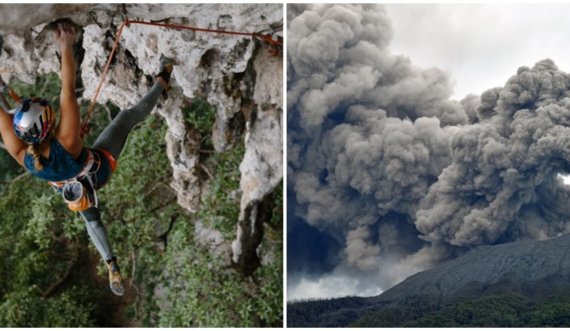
{"x": 115, "y": 278}
{"x": 166, "y": 66}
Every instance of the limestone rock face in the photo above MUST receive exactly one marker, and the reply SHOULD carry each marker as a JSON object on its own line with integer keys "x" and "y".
{"x": 262, "y": 166}
{"x": 237, "y": 75}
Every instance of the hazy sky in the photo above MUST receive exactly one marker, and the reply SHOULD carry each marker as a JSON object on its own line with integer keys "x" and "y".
{"x": 481, "y": 45}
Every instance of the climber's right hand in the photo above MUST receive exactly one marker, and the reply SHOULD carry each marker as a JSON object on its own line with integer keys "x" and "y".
{"x": 65, "y": 35}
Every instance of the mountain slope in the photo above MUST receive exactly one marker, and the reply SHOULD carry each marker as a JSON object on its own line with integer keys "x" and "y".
{"x": 526, "y": 274}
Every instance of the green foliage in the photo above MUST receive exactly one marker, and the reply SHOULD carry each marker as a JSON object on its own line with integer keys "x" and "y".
{"x": 200, "y": 115}
{"x": 45, "y": 86}
{"x": 33, "y": 257}
{"x": 319, "y": 313}
{"x": 495, "y": 310}
{"x": 502, "y": 309}
{"x": 202, "y": 295}
{"x": 554, "y": 312}
{"x": 29, "y": 309}
{"x": 209, "y": 293}
{"x": 9, "y": 168}
{"x": 220, "y": 207}
{"x": 488, "y": 311}
{"x": 269, "y": 305}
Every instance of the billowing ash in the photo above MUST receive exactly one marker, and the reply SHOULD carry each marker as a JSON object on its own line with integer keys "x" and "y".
{"x": 502, "y": 183}
{"x": 387, "y": 175}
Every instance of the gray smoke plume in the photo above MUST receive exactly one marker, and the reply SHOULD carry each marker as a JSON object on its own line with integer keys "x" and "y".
{"x": 381, "y": 162}
{"x": 503, "y": 179}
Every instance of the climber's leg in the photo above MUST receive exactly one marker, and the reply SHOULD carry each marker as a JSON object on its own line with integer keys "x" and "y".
{"x": 114, "y": 136}
{"x": 97, "y": 232}
{"x": 98, "y": 236}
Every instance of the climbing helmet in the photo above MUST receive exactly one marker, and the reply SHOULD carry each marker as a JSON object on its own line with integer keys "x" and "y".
{"x": 34, "y": 120}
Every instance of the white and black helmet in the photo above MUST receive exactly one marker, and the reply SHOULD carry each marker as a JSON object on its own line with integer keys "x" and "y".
{"x": 34, "y": 119}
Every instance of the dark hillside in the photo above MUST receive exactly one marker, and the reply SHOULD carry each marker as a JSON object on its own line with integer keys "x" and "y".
{"x": 517, "y": 284}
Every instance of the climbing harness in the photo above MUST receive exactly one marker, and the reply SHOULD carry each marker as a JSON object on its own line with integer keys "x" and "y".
{"x": 272, "y": 39}
{"x": 80, "y": 192}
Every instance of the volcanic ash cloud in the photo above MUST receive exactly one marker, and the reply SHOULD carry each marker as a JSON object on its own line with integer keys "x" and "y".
{"x": 382, "y": 161}
{"x": 502, "y": 183}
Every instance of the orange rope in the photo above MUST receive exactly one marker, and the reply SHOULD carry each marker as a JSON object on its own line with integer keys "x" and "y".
{"x": 184, "y": 27}
{"x": 192, "y": 28}
{"x": 127, "y": 22}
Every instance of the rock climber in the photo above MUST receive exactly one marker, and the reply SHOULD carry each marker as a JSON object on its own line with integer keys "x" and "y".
{"x": 55, "y": 152}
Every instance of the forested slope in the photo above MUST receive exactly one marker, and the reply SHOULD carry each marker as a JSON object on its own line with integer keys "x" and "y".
{"x": 520, "y": 284}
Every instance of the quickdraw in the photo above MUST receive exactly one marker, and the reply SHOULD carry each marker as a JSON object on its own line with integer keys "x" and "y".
{"x": 272, "y": 39}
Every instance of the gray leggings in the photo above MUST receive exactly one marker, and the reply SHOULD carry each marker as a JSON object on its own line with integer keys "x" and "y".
{"x": 113, "y": 139}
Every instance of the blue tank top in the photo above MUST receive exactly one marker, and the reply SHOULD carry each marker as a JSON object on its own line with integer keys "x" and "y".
{"x": 59, "y": 166}
{"x": 62, "y": 166}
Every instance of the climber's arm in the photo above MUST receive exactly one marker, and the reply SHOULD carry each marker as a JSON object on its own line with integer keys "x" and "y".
{"x": 68, "y": 132}
{"x": 15, "y": 146}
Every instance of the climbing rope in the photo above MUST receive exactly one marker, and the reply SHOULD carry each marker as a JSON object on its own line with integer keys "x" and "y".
{"x": 127, "y": 22}
{"x": 258, "y": 35}
{"x": 185, "y": 27}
